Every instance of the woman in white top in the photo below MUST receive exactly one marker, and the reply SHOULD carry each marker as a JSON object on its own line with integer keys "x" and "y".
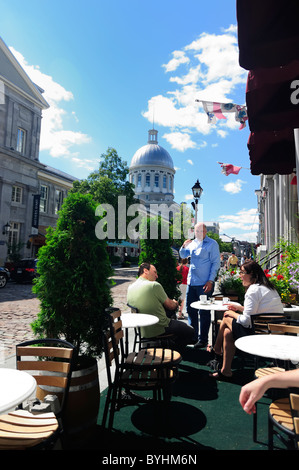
{"x": 261, "y": 297}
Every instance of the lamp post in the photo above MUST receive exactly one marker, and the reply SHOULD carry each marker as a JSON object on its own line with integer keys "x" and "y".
{"x": 6, "y": 229}
{"x": 197, "y": 191}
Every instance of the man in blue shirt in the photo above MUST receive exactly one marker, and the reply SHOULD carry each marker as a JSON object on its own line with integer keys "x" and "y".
{"x": 204, "y": 264}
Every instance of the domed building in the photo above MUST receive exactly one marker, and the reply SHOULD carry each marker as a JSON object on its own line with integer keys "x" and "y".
{"x": 152, "y": 172}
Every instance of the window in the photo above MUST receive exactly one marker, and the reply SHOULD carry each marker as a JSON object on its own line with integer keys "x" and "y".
{"x": 43, "y": 205}
{"x": 147, "y": 180}
{"x": 164, "y": 181}
{"x": 156, "y": 181}
{"x": 139, "y": 180}
{"x": 58, "y": 200}
{"x": 14, "y": 233}
{"x": 21, "y": 140}
{"x": 16, "y": 195}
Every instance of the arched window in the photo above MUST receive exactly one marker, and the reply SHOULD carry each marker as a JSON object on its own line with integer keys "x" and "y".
{"x": 139, "y": 180}
{"x": 147, "y": 180}
{"x": 156, "y": 181}
{"x": 164, "y": 181}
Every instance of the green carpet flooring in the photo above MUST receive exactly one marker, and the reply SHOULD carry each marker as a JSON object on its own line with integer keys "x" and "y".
{"x": 204, "y": 414}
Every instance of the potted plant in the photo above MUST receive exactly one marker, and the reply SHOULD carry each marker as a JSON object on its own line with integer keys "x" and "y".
{"x": 73, "y": 288}
{"x": 157, "y": 251}
{"x": 230, "y": 283}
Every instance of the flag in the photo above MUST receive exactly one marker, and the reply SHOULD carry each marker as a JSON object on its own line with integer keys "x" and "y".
{"x": 215, "y": 110}
{"x": 228, "y": 169}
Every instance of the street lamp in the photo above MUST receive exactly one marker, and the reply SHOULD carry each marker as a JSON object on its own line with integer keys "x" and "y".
{"x": 6, "y": 229}
{"x": 197, "y": 191}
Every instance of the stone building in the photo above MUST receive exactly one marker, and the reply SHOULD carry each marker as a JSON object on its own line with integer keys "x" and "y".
{"x": 31, "y": 193}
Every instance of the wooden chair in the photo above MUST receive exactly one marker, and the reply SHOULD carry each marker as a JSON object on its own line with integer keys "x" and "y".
{"x": 153, "y": 369}
{"x": 280, "y": 327}
{"x": 294, "y": 403}
{"x": 50, "y": 361}
{"x": 163, "y": 341}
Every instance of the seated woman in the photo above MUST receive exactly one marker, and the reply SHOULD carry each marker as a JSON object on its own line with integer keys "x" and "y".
{"x": 260, "y": 297}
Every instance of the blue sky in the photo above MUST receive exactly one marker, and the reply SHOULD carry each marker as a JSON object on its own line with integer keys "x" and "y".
{"x": 109, "y": 68}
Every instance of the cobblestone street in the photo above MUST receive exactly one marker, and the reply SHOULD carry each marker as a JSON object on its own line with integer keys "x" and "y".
{"x": 19, "y": 307}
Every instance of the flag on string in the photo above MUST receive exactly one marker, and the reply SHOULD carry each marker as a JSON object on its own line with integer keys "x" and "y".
{"x": 228, "y": 169}
{"x": 215, "y": 110}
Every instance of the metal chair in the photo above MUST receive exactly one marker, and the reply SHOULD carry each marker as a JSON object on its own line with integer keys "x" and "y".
{"x": 163, "y": 341}
{"x": 153, "y": 369}
{"x": 50, "y": 361}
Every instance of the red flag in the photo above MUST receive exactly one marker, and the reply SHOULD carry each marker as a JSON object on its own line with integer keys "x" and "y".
{"x": 228, "y": 169}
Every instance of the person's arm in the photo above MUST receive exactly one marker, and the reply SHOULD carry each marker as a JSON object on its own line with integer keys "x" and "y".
{"x": 170, "y": 304}
{"x": 254, "y": 390}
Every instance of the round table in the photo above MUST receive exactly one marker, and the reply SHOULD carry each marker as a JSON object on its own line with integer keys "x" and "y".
{"x": 136, "y": 320}
{"x": 273, "y": 346}
{"x": 16, "y": 386}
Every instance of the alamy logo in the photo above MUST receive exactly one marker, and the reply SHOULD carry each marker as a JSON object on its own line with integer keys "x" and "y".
{"x": 180, "y": 220}
{"x": 295, "y": 93}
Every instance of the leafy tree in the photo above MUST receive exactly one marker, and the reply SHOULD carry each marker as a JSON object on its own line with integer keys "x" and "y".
{"x": 72, "y": 283}
{"x": 108, "y": 182}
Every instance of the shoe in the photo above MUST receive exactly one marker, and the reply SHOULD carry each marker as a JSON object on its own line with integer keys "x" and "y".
{"x": 200, "y": 344}
{"x": 217, "y": 374}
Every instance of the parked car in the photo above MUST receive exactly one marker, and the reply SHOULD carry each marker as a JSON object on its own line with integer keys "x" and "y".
{"x": 4, "y": 276}
{"x": 24, "y": 270}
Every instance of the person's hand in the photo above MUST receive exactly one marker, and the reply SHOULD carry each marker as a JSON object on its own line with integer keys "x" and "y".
{"x": 208, "y": 286}
{"x": 186, "y": 243}
{"x": 250, "y": 394}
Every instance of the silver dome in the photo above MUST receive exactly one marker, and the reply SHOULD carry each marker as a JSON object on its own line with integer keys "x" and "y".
{"x": 152, "y": 154}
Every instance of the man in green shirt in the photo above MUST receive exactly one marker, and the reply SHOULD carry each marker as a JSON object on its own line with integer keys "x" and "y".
{"x": 149, "y": 297}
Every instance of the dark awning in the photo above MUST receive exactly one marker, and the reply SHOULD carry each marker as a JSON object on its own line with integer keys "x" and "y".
{"x": 267, "y": 32}
{"x": 268, "y": 37}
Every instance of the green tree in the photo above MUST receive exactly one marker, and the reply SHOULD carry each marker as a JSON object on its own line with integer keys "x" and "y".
{"x": 223, "y": 246}
{"x": 158, "y": 252}
{"x": 73, "y": 278}
{"x": 108, "y": 183}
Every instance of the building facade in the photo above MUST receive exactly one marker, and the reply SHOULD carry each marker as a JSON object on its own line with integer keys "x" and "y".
{"x": 277, "y": 201}
{"x": 31, "y": 193}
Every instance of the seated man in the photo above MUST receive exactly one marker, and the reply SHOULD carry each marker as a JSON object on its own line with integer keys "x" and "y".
{"x": 149, "y": 297}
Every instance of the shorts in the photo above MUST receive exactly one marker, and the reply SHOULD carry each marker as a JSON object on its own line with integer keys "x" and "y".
{"x": 239, "y": 330}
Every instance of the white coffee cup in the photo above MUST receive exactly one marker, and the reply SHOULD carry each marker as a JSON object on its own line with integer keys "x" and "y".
{"x": 225, "y": 300}
{"x": 203, "y": 299}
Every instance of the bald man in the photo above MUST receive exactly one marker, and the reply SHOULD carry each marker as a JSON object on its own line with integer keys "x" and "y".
{"x": 204, "y": 264}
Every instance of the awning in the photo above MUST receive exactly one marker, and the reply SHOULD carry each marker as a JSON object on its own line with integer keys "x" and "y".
{"x": 267, "y": 32}
{"x": 268, "y": 37}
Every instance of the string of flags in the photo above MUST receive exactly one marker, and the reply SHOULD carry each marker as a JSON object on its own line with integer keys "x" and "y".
{"x": 228, "y": 168}
{"x": 216, "y": 111}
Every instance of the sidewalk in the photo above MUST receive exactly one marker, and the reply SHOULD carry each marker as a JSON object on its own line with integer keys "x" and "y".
{"x": 19, "y": 307}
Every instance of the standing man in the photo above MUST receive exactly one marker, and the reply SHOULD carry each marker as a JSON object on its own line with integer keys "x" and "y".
{"x": 204, "y": 264}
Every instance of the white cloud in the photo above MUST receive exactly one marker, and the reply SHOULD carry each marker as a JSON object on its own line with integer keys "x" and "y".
{"x": 59, "y": 142}
{"x": 180, "y": 141}
{"x": 190, "y": 162}
{"x": 233, "y": 187}
{"x": 245, "y": 219}
{"x": 208, "y": 70}
{"x": 178, "y": 59}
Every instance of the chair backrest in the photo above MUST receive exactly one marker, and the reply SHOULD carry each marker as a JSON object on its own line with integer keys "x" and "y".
{"x": 294, "y": 403}
{"x": 260, "y": 321}
{"x": 51, "y": 362}
{"x": 133, "y": 309}
{"x": 113, "y": 341}
{"x": 283, "y": 328}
